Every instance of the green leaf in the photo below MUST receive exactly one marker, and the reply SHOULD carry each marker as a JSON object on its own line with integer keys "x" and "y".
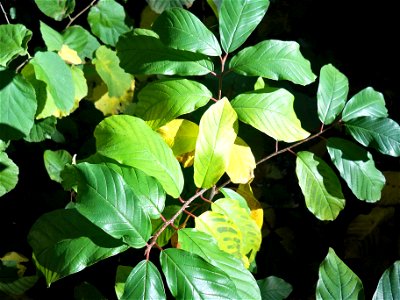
{"x": 336, "y": 281}
{"x": 231, "y": 194}
{"x": 131, "y": 142}
{"x": 142, "y": 54}
{"x": 381, "y": 134}
{"x": 108, "y": 202}
{"x": 8, "y": 174}
{"x": 107, "y": 66}
{"x": 166, "y": 235}
{"x": 191, "y": 277}
{"x": 120, "y": 279}
{"x": 332, "y": 93}
{"x": 273, "y": 59}
{"x": 274, "y": 288}
{"x": 18, "y": 287}
{"x": 217, "y": 133}
{"x": 238, "y": 19}
{"x": 64, "y": 242}
{"x": 182, "y": 30}
{"x": 389, "y": 284}
{"x": 18, "y": 106}
{"x": 160, "y": 6}
{"x": 357, "y": 168}
{"x": 107, "y": 21}
{"x": 366, "y": 103}
{"x": 56, "y": 9}
{"x": 42, "y": 130}
{"x": 52, "y": 70}
{"x": 270, "y": 111}
{"x": 51, "y": 37}
{"x": 144, "y": 282}
{"x": 79, "y": 39}
{"x": 320, "y": 186}
{"x": 14, "y": 40}
{"x": 180, "y": 96}
{"x": 205, "y": 246}
{"x": 55, "y": 161}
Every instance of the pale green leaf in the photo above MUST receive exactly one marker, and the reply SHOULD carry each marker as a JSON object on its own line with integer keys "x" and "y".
{"x": 190, "y": 277}
{"x": 51, "y": 37}
{"x": 55, "y": 161}
{"x": 81, "y": 40}
{"x": 80, "y": 85}
{"x": 274, "y": 288}
{"x": 131, "y": 142}
{"x": 238, "y": 19}
{"x": 143, "y": 54}
{"x": 64, "y": 242}
{"x": 366, "y": 103}
{"x": 217, "y": 134}
{"x": 14, "y": 40}
{"x": 160, "y": 6}
{"x": 144, "y": 282}
{"x": 18, "y": 105}
{"x": 382, "y": 134}
{"x": 52, "y": 70}
{"x": 231, "y": 194}
{"x": 274, "y": 59}
{"x": 182, "y": 30}
{"x": 107, "y": 66}
{"x": 205, "y": 245}
{"x": 56, "y": 9}
{"x": 107, "y": 21}
{"x": 389, "y": 284}
{"x": 336, "y": 281}
{"x": 108, "y": 202}
{"x": 320, "y": 186}
{"x": 180, "y": 96}
{"x": 42, "y": 130}
{"x": 8, "y": 174}
{"x": 357, "y": 168}
{"x": 332, "y": 93}
{"x": 270, "y": 111}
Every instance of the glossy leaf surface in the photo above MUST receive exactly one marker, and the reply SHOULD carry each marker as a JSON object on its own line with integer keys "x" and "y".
{"x": 320, "y": 186}
{"x": 389, "y": 284}
{"x": 274, "y": 288}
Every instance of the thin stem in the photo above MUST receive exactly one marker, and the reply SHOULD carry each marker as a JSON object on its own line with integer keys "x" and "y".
{"x": 220, "y": 76}
{"x": 4, "y": 13}
{"x": 71, "y": 20}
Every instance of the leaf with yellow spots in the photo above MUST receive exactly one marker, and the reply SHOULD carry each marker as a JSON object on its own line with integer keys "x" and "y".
{"x": 14, "y": 260}
{"x": 69, "y": 55}
{"x": 241, "y": 162}
{"x": 257, "y": 213}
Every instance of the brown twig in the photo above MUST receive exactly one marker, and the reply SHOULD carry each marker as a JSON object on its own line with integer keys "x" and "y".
{"x": 4, "y": 13}
{"x": 71, "y": 20}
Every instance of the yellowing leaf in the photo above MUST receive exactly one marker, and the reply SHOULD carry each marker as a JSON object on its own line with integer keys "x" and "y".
{"x": 69, "y": 55}
{"x": 147, "y": 17}
{"x": 241, "y": 162}
{"x": 256, "y": 210}
{"x": 186, "y": 159}
{"x": 391, "y": 190}
{"x": 17, "y": 259}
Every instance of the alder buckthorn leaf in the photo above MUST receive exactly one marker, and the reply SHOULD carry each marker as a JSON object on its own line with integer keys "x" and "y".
{"x": 389, "y": 284}
{"x": 9, "y": 172}
{"x": 52, "y": 38}
{"x": 241, "y": 162}
{"x": 81, "y": 40}
{"x": 159, "y": 6}
{"x": 56, "y": 9}
{"x": 14, "y": 40}
{"x": 256, "y": 210}
{"x": 69, "y": 55}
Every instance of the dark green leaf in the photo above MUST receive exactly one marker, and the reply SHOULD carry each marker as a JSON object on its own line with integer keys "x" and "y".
{"x": 55, "y": 161}
{"x": 389, "y": 284}
{"x": 14, "y": 40}
{"x": 64, "y": 242}
{"x": 320, "y": 186}
{"x": 18, "y": 105}
{"x": 18, "y": 287}
{"x": 180, "y": 96}
{"x": 238, "y": 19}
{"x": 8, "y": 174}
{"x": 336, "y": 281}
{"x": 140, "y": 54}
{"x": 79, "y": 39}
{"x": 274, "y": 288}
{"x": 191, "y": 277}
{"x": 382, "y": 134}
{"x": 276, "y": 60}
{"x": 332, "y": 93}
{"x": 366, "y": 103}
{"x": 107, "y": 21}
{"x": 159, "y": 6}
{"x": 86, "y": 291}
{"x": 144, "y": 282}
{"x": 182, "y": 30}
{"x": 109, "y": 203}
{"x": 130, "y": 141}
{"x": 51, "y": 37}
{"x": 357, "y": 168}
{"x": 42, "y": 129}
{"x": 120, "y": 279}
{"x": 56, "y": 9}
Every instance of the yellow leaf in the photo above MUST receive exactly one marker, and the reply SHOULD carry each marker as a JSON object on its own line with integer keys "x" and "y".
{"x": 186, "y": 159}
{"x": 17, "y": 259}
{"x": 241, "y": 162}
{"x": 69, "y": 55}
{"x": 257, "y": 212}
{"x": 391, "y": 190}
